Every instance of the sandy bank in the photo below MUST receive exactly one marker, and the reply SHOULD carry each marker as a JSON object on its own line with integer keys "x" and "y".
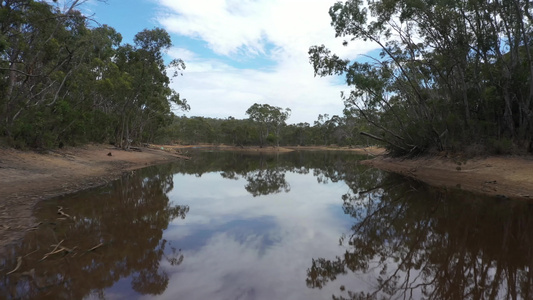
{"x": 27, "y": 177}
{"x": 507, "y": 176}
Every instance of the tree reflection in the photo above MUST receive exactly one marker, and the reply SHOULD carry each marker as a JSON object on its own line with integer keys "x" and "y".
{"x": 264, "y": 182}
{"x": 265, "y": 172}
{"x": 422, "y": 243}
{"x": 109, "y": 234}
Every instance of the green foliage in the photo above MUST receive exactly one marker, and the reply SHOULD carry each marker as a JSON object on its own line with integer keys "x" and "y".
{"x": 341, "y": 131}
{"x": 268, "y": 118}
{"x": 443, "y": 80}
{"x": 63, "y": 82}
{"x": 501, "y": 146}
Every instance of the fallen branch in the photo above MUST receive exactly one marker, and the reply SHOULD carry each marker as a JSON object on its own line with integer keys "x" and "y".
{"x": 19, "y": 262}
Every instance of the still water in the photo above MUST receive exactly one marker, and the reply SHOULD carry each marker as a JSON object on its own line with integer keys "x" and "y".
{"x": 302, "y": 225}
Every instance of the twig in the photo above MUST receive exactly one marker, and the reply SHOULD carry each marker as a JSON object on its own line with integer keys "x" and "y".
{"x": 34, "y": 227}
{"x": 32, "y": 252}
{"x": 53, "y": 251}
{"x": 19, "y": 262}
{"x": 60, "y": 211}
{"x": 57, "y": 246}
{"x": 96, "y": 247}
{"x": 58, "y": 251}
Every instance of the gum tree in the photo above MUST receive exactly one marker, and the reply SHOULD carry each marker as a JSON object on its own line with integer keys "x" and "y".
{"x": 269, "y": 118}
{"x": 450, "y": 73}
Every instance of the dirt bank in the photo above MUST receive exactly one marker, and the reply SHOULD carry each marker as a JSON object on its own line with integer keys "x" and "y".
{"x": 27, "y": 177}
{"x": 507, "y": 176}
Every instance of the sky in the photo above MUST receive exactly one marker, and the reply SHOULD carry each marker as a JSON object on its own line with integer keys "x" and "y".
{"x": 241, "y": 52}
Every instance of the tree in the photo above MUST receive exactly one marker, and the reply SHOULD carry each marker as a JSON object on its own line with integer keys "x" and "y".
{"x": 442, "y": 79}
{"x": 268, "y": 118}
{"x": 63, "y": 82}
{"x": 145, "y": 94}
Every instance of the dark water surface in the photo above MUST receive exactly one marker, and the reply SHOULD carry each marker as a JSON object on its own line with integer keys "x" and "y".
{"x": 302, "y": 225}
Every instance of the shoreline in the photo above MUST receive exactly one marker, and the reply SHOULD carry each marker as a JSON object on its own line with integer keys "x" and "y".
{"x": 371, "y": 151}
{"x": 28, "y": 177}
{"x": 497, "y": 176}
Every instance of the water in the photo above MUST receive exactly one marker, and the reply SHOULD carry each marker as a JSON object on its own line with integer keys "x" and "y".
{"x": 302, "y": 225}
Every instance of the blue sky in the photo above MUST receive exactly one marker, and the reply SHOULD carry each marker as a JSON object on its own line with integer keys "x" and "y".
{"x": 240, "y": 52}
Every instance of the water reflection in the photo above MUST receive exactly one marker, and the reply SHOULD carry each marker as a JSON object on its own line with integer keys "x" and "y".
{"x": 419, "y": 242}
{"x": 265, "y": 173}
{"x": 303, "y": 225}
{"x": 90, "y": 241}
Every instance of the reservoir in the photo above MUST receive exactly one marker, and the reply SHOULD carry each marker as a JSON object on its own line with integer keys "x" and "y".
{"x": 298, "y": 225}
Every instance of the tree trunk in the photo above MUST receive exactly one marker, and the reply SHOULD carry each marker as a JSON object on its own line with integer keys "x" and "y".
{"x": 383, "y": 140}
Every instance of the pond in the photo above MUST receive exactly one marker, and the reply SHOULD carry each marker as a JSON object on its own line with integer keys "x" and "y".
{"x": 300, "y": 225}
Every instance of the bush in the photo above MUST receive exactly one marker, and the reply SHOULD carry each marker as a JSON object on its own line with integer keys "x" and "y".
{"x": 501, "y": 146}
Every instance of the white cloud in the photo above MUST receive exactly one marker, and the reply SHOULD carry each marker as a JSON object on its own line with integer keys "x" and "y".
{"x": 218, "y": 90}
{"x": 244, "y": 30}
{"x": 182, "y": 53}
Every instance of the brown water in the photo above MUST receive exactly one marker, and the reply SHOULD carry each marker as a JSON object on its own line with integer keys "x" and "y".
{"x": 302, "y": 225}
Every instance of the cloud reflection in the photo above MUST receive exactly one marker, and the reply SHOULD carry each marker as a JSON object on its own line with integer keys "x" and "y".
{"x": 241, "y": 247}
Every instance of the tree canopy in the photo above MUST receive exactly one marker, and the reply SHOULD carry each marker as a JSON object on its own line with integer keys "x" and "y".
{"x": 450, "y": 74}
{"x": 270, "y": 118}
{"x": 64, "y": 81}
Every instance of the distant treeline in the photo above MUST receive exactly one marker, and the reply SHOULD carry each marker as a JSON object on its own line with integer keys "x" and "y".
{"x": 451, "y": 74}
{"x": 326, "y": 130}
{"x": 64, "y": 82}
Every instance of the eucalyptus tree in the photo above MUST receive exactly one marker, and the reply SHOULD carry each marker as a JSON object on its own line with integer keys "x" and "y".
{"x": 41, "y": 49}
{"x": 268, "y": 118}
{"x": 329, "y": 128}
{"x": 144, "y": 89}
{"x": 236, "y": 132}
{"x": 449, "y": 73}
{"x": 65, "y": 82}
{"x": 297, "y": 134}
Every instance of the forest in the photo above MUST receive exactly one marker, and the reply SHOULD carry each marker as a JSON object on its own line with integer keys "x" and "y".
{"x": 325, "y": 131}
{"x": 65, "y": 81}
{"x": 450, "y": 76}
